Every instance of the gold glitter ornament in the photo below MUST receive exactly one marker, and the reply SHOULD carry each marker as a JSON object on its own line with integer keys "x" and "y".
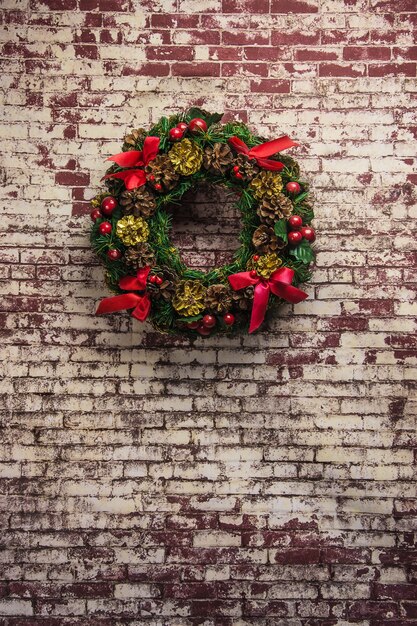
{"x": 132, "y": 230}
{"x": 186, "y": 157}
{"x": 266, "y": 185}
{"x": 267, "y": 264}
{"x": 189, "y": 298}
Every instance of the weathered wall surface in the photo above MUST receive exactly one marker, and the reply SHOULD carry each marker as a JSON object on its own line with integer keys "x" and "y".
{"x": 265, "y": 480}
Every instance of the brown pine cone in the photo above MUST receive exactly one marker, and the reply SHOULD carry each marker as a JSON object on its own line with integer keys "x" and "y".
{"x": 166, "y": 289}
{"x": 217, "y": 158}
{"x": 160, "y": 171}
{"x": 273, "y": 209}
{"x": 138, "y": 202}
{"x": 218, "y": 298}
{"x": 135, "y": 138}
{"x": 266, "y": 241}
{"x": 140, "y": 255}
{"x": 243, "y": 298}
{"x": 247, "y": 167}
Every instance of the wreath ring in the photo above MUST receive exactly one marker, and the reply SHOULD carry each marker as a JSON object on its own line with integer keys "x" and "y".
{"x": 130, "y": 232}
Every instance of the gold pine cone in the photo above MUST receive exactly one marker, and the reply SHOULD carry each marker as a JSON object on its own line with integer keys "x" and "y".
{"x": 132, "y": 230}
{"x": 186, "y": 157}
{"x": 266, "y": 184}
{"x": 267, "y": 264}
{"x": 189, "y": 298}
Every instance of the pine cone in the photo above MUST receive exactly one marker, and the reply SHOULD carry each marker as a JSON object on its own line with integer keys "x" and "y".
{"x": 267, "y": 264}
{"x": 273, "y": 209}
{"x": 266, "y": 241}
{"x": 135, "y": 138}
{"x": 132, "y": 230}
{"x": 243, "y": 298}
{"x": 266, "y": 184}
{"x": 247, "y": 167}
{"x": 138, "y": 202}
{"x": 139, "y": 256}
{"x": 217, "y": 158}
{"x": 186, "y": 157}
{"x": 166, "y": 289}
{"x": 218, "y": 298}
{"x": 160, "y": 171}
{"x": 189, "y": 297}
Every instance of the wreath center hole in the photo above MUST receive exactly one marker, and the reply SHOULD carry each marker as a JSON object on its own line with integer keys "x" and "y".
{"x": 206, "y": 226}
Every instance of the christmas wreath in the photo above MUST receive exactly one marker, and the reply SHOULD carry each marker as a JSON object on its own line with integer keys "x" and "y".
{"x": 131, "y": 225}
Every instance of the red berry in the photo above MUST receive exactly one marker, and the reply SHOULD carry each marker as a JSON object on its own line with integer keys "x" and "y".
{"x": 152, "y": 279}
{"x": 158, "y": 186}
{"x": 209, "y": 321}
{"x": 197, "y": 125}
{"x": 308, "y": 233}
{"x": 295, "y": 221}
{"x": 293, "y": 187}
{"x": 151, "y": 177}
{"x": 193, "y": 325}
{"x": 255, "y": 257}
{"x": 229, "y": 319}
{"x": 236, "y": 168}
{"x": 294, "y": 237}
{"x": 158, "y": 280}
{"x": 253, "y": 274}
{"x": 238, "y": 175}
{"x": 95, "y": 214}
{"x": 113, "y": 254}
{"x": 108, "y": 205}
{"x": 203, "y": 330}
{"x": 105, "y": 228}
{"x": 182, "y": 126}
{"x": 175, "y": 134}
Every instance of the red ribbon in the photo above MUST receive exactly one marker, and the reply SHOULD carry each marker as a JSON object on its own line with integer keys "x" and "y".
{"x": 135, "y": 158}
{"x": 141, "y": 304}
{"x": 264, "y": 150}
{"x": 280, "y": 285}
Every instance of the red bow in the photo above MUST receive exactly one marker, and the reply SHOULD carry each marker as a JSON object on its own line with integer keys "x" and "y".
{"x": 141, "y": 304}
{"x": 280, "y": 285}
{"x": 264, "y": 150}
{"x": 135, "y": 158}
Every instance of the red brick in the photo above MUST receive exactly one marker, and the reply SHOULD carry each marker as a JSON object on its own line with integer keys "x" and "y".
{"x": 196, "y": 69}
{"x": 294, "y": 6}
{"x": 393, "y": 69}
{"x": 364, "y": 53}
{"x": 270, "y": 86}
{"x": 334, "y": 69}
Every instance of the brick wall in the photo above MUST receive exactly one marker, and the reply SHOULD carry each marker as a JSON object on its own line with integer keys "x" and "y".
{"x": 265, "y": 480}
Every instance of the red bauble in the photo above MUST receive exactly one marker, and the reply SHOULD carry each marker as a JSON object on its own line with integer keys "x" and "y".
{"x": 229, "y": 319}
{"x": 158, "y": 187}
{"x": 113, "y": 254}
{"x": 308, "y": 233}
{"x": 293, "y": 187}
{"x": 294, "y": 237}
{"x": 295, "y": 221}
{"x": 253, "y": 274}
{"x": 193, "y": 325}
{"x": 108, "y": 205}
{"x": 182, "y": 126}
{"x": 197, "y": 125}
{"x": 203, "y": 330}
{"x": 209, "y": 321}
{"x": 158, "y": 280}
{"x": 105, "y": 228}
{"x": 175, "y": 134}
{"x": 255, "y": 257}
{"x": 152, "y": 279}
{"x": 95, "y": 214}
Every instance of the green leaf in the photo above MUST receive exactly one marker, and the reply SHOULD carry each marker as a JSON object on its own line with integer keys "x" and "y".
{"x": 280, "y": 229}
{"x": 301, "y": 197}
{"x": 214, "y": 118}
{"x": 303, "y": 252}
{"x": 188, "y": 320}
